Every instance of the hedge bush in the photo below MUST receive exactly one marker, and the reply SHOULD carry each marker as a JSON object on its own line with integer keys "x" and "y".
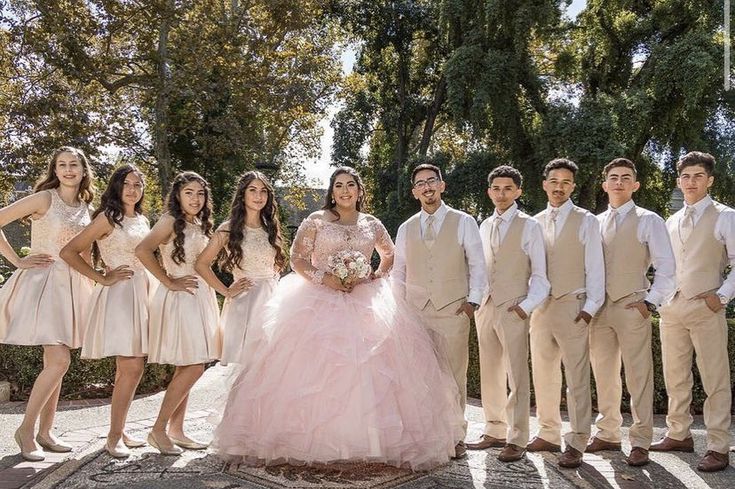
{"x": 659, "y": 395}
{"x": 85, "y": 379}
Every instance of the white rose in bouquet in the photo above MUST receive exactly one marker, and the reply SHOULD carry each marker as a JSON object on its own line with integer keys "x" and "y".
{"x": 349, "y": 266}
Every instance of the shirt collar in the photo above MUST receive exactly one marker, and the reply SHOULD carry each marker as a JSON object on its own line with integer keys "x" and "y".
{"x": 700, "y": 206}
{"x": 623, "y": 209}
{"x": 563, "y": 209}
{"x": 509, "y": 213}
{"x": 438, "y": 214}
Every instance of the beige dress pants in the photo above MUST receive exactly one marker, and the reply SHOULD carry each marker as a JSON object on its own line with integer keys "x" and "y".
{"x": 689, "y": 326}
{"x": 503, "y": 340}
{"x": 616, "y": 334}
{"x": 555, "y": 340}
{"x": 454, "y": 329}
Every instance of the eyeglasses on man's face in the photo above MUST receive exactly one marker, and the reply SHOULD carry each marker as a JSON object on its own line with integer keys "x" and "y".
{"x": 429, "y": 182}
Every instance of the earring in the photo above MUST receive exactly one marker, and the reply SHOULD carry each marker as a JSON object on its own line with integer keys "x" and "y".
{"x": 332, "y": 200}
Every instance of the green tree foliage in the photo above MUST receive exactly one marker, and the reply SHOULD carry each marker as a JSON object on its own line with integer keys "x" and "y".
{"x": 519, "y": 83}
{"x": 216, "y": 87}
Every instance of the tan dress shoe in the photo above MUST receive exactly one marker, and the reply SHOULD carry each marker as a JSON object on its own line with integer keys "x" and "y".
{"x": 189, "y": 443}
{"x": 638, "y": 457}
{"x": 30, "y": 455}
{"x": 511, "y": 453}
{"x": 714, "y": 461}
{"x": 599, "y": 445}
{"x": 52, "y": 445}
{"x": 460, "y": 450}
{"x": 165, "y": 450}
{"x": 571, "y": 458}
{"x": 486, "y": 441}
{"x": 538, "y": 444}
{"x": 671, "y": 445}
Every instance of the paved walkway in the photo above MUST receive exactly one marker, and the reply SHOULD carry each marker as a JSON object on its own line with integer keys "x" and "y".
{"x": 84, "y": 425}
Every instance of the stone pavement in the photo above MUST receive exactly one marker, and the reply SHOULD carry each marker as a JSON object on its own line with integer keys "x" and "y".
{"x": 84, "y": 425}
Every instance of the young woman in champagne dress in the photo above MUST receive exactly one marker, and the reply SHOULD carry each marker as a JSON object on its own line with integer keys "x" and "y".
{"x": 345, "y": 371}
{"x": 117, "y": 322}
{"x": 43, "y": 302}
{"x": 252, "y": 241}
{"x": 184, "y": 324}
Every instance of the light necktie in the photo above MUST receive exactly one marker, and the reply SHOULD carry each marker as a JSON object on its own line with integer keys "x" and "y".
{"x": 686, "y": 225}
{"x": 611, "y": 227}
{"x": 551, "y": 226}
{"x": 429, "y": 234}
{"x": 495, "y": 235}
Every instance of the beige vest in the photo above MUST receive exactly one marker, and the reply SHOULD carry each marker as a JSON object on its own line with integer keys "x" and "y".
{"x": 438, "y": 274}
{"x": 510, "y": 269}
{"x": 701, "y": 261}
{"x": 565, "y": 259}
{"x": 626, "y": 259}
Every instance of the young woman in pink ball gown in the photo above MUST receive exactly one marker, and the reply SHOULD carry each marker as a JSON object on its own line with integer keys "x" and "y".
{"x": 344, "y": 371}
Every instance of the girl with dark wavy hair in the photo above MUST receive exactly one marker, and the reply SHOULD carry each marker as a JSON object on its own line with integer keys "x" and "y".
{"x": 117, "y": 324}
{"x": 184, "y": 324}
{"x": 253, "y": 253}
{"x": 44, "y": 300}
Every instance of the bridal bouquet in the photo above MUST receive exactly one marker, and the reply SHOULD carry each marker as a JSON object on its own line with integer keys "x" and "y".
{"x": 349, "y": 266}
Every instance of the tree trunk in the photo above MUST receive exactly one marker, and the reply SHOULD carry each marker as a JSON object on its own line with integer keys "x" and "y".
{"x": 160, "y": 128}
{"x": 439, "y": 96}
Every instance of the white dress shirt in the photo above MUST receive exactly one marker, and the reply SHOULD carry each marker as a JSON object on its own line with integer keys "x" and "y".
{"x": 532, "y": 244}
{"x": 724, "y": 233}
{"x": 468, "y": 235}
{"x": 652, "y": 233}
{"x": 594, "y": 261}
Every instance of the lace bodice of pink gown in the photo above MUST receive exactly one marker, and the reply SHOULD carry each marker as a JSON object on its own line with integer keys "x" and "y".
{"x": 118, "y": 248}
{"x": 58, "y": 226}
{"x": 318, "y": 239}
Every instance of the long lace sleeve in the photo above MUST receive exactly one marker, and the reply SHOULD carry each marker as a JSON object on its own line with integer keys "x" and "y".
{"x": 302, "y": 249}
{"x": 385, "y": 248}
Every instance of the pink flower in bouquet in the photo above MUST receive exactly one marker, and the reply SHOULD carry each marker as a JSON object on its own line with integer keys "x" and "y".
{"x": 349, "y": 266}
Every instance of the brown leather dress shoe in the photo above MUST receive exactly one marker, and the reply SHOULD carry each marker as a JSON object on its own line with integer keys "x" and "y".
{"x": 538, "y": 444}
{"x": 714, "y": 461}
{"x": 511, "y": 453}
{"x": 599, "y": 445}
{"x": 460, "y": 450}
{"x": 638, "y": 457}
{"x": 486, "y": 441}
{"x": 571, "y": 458}
{"x": 671, "y": 445}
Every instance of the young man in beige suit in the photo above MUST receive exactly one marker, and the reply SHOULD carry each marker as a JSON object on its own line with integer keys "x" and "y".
{"x": 703, "y": 237}
{"x": 513, "y": 245}
{"x": 633, "y": 238}
{"x": 559, "y": 327}
{"x": 440, "y": 269}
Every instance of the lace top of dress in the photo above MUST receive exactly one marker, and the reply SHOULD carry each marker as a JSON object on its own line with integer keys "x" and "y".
{"x": 58, "y": 226}
{"x": 194, "y": 242}
{"x": 118, "y": 248}
{"x": 258, "y": 256}
{"x": 317, "y": 240}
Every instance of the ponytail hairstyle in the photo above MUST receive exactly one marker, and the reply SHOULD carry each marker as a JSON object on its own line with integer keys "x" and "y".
{"x": 268, "y": 218}
{"x": 173, "y": 206}
{"x": 51, "y": 181}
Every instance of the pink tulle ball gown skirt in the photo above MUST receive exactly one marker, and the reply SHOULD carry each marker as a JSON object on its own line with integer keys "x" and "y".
{"x": 341, "y": 377}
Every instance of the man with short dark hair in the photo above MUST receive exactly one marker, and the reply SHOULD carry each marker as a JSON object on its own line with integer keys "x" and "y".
{"x": 439, "y": 268}
{"x": 633, "y": 238}
{"x": 513, "y": 244}
{"x": 559, "y": 327}
{"x": 703, "y": 238}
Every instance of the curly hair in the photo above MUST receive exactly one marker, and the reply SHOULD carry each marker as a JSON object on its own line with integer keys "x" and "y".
{"x": 268, "y": 218}
{"x": 330, "y": 204}
{"x": 173, "y": 206}
{"x": 50, "y": 181}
